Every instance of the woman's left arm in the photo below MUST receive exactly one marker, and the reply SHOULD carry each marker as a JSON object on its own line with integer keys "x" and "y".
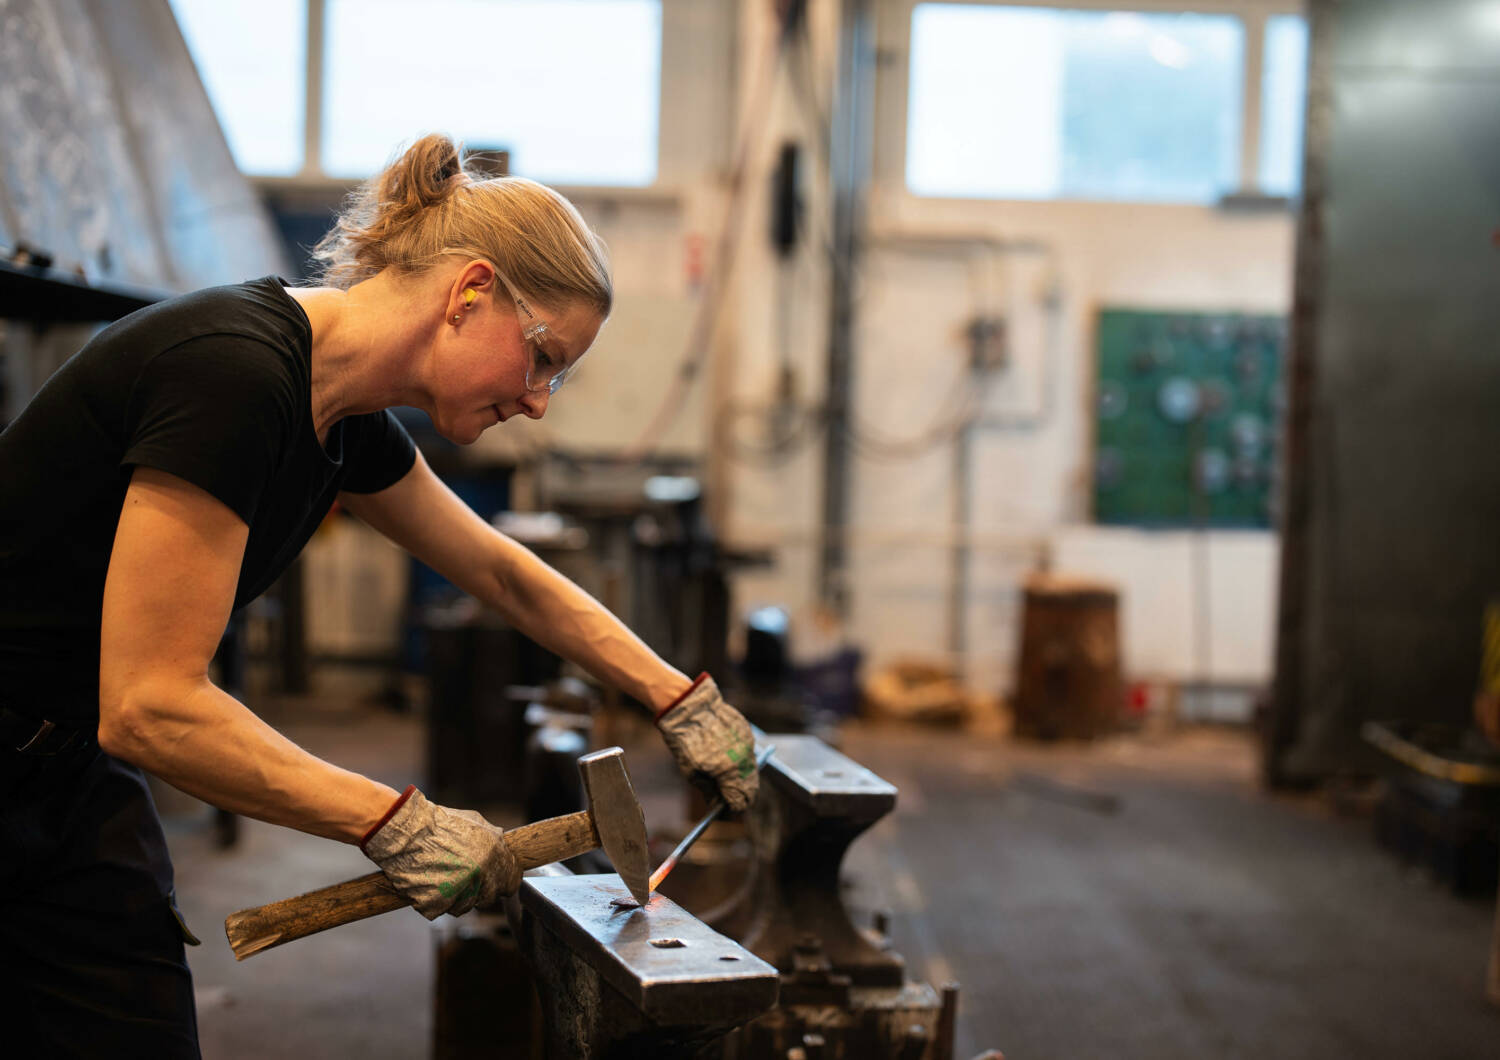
{"x": 707, "y": 736}
{"x": 425, "y": 517}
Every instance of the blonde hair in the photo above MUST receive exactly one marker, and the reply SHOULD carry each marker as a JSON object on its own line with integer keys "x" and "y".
{"x": 427, "y": 205}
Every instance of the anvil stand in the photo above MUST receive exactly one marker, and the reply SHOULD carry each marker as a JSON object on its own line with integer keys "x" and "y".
{"x": 842, "y": 989}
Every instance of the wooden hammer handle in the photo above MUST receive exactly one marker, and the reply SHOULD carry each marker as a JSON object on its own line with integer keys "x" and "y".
{"x": 555, "y": 839}
{"x": 263, "y": 927}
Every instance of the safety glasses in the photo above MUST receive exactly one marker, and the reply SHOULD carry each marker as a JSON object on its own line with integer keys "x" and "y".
{"x": 546, "y": 366}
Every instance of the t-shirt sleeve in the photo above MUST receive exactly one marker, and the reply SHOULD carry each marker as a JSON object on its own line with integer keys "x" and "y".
{"x": 216, "y": 411}
{"x": 378, "y": 453}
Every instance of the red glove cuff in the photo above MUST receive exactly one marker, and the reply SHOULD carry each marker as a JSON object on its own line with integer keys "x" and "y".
{"x": 378, "y": 825}
{"x": 696, "y": 682}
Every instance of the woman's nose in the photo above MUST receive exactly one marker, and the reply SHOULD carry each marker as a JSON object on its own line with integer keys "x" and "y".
{"x": 534, "y": 404}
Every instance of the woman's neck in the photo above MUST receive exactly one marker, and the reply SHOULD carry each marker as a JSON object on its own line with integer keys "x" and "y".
{"x": 362, "y": 345}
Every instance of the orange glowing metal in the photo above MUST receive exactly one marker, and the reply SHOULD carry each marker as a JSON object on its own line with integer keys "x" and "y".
{"x": 671, "y": 860}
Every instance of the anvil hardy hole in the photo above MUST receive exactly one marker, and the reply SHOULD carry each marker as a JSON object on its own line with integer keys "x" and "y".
{"x": 667, "y": 944}
{"x": 833, "y": 772}
{"x": 728, "y": 957}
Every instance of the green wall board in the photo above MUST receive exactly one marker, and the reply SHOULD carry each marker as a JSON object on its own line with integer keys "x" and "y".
{"x": 1186, "y": 418}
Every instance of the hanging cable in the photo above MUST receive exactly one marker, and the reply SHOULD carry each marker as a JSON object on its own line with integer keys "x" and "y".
{"x": 726, "y": 250}
{"x": 791, "y": 438}
{"x": 788, "y": 426}
{"x": 960, "y": 408}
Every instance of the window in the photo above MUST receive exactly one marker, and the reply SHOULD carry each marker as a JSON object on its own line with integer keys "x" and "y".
{"x": 1283, "y": 97}
{"x": 252, "y": 59}
{"x": 1039, "y": 103}
{"x": 570, "y": 87}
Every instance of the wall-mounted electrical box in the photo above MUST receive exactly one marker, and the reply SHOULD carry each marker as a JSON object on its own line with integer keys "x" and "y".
{"x": 1187, "y": 418}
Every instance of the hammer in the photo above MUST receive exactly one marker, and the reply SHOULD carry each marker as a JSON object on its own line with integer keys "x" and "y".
{"x": 613, "y": 821}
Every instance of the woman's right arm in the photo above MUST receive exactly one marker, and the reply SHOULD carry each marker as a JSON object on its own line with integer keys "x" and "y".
{"x": 167, "y": 597}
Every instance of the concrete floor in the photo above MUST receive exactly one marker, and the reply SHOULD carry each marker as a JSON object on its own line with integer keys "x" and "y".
{"x": 1132, "y": 898}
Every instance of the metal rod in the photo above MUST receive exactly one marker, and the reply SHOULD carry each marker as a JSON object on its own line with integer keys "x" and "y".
{"x": 688, "y": 840}
{"x": 670, "y": 862}
{"x": 851, "y": 154}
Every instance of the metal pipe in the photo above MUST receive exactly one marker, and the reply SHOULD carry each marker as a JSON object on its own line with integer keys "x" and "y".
{"x": 963, "y": 505}
{"x": 851, "y": 154}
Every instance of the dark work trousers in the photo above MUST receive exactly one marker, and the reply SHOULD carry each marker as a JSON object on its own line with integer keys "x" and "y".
{"x": 91, "y": 944}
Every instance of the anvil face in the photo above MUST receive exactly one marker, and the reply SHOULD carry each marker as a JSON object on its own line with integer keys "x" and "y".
{"x": 810, "y": 773}
{"x": 668, "y": 963}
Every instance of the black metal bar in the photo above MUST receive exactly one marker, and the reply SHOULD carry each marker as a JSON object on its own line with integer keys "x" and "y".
{"x": 1279, "y": 733}
{"x": 50, "y": 296}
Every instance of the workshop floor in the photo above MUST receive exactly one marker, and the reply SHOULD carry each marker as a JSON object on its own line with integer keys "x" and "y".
{"x": 1132, "y": 898}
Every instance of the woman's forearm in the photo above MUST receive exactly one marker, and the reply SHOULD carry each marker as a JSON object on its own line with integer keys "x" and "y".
{"x": 203, "y": 741}
{"x": 550, "y": 609}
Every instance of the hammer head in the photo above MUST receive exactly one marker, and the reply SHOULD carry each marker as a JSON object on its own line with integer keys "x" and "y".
{"x": 618, "y": 818}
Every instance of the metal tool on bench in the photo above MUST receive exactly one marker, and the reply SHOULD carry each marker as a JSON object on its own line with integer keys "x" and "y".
{"x": 613, "y": 821}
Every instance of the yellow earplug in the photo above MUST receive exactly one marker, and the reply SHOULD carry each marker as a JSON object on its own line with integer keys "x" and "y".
{"x": 469, "y": 295}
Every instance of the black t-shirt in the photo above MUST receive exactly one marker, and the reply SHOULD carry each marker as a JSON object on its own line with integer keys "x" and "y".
{"x": 213, "y": 387}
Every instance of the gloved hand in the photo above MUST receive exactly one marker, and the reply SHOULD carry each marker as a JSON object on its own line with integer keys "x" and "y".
{"x": 710, "y": 738}
{"x": 445, "y": 861}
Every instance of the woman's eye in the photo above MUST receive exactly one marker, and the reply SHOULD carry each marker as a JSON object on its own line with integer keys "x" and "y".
{"x": 542, "y": 359}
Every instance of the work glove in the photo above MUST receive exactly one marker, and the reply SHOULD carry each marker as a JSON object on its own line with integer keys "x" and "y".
{"x": 445, "y": 861}
{"x": 712, "y": 740}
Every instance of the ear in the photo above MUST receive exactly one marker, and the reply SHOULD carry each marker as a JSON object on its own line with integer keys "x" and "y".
{"x": 476, "y": 278}
{"x": 478, "y": 274}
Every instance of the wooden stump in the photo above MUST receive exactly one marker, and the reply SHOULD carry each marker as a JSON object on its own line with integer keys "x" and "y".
{"x": 1069, "y": 683}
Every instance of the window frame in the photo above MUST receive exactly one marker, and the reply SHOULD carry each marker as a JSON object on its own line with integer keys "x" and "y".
{"x": 1252, "y": 179}
{"x": 1253, "y": 14}
{"x": 312, "y": 177}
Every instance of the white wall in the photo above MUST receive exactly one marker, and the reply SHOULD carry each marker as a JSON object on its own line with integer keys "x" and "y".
{"x": 1029, "y": 486}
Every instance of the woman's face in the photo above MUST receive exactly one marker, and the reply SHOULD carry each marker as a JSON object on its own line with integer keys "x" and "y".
{"x": 482, "y": 366}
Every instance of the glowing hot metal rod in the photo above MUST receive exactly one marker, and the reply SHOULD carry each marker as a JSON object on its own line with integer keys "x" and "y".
{"x": 698, "y": 829}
